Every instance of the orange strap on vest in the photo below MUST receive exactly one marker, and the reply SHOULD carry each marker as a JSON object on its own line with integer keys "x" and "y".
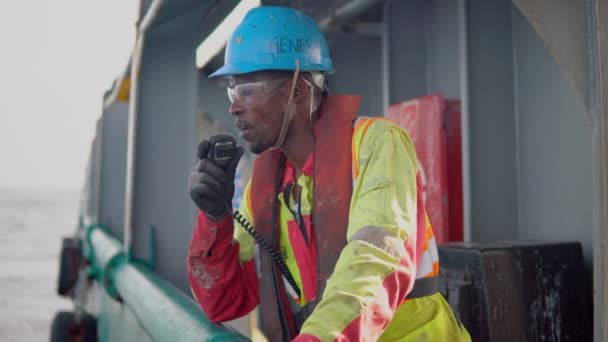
{"x": 332, "y": 192}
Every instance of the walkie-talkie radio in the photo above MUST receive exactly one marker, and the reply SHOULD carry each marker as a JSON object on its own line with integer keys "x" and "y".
{"x": 221, "y": 152}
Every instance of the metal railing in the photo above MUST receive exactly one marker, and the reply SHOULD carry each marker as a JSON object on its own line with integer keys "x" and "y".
{"x": 164, "y": 312}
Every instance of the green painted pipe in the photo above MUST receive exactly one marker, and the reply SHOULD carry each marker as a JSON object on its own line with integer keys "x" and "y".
{"x": 164, "y": 312}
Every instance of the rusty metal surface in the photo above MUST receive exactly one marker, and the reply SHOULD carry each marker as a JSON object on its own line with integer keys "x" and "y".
{"x": 518, "y": 291}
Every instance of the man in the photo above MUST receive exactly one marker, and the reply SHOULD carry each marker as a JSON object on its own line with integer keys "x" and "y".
{"x": 342, "y": 248}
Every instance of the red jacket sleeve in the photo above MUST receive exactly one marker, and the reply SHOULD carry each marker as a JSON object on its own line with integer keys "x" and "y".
{"x": 224, "y": 288}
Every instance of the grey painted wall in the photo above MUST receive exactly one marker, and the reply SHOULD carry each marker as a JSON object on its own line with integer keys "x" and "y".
{"x": 492, "y": 120}
{"x": 358, "y": 70}
{"x": 554, "y": 147}
{"x": 408, "y": 52}
{"x": 90, "y": 197}
{"x": 423, "y": 55}
{"x": 530, "y": 141}
{"x": 166, "y": 143}
{"x": 424, "y": 49}
{"x": 443, "y": 48}
{"x": 113, "y": 167}
{"x": 95, "y": 180}
{"x": 531, "y": 166}
{"x": 214, "y": 104}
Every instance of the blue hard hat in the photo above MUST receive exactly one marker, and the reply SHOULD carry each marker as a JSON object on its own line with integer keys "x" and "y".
{"x": 273, "y": 38}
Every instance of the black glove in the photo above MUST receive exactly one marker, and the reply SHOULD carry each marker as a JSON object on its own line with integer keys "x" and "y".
{"x": 212, "y": 185}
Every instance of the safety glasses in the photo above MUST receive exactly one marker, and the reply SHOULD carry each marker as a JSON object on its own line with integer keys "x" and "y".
{"x": 248, "y": 93}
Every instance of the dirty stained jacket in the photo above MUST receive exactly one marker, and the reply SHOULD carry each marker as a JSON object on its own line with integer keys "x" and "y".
{"x": 390, "y": 243}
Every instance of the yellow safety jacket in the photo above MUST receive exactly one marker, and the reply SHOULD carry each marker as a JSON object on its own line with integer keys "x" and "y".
{"x": 388, "y": 247}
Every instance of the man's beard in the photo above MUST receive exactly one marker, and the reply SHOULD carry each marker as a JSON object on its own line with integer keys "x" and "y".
{"x": 261, "y": 146}
{"x": 257, "y": 148}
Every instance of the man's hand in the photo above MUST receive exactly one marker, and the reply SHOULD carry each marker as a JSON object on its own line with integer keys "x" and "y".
{"x": 211, "y": 186}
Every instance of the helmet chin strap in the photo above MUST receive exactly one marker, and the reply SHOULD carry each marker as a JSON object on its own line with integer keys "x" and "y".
{"x": 288, "y": 112}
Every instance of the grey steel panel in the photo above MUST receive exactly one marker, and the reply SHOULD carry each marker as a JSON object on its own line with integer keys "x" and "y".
{"x": 554, "y": 147}
{"x": 166, "y": 146}
{"x": 492, "y": 120}
{"x": 172, "y": 9}
{"x": 600, "y": 185}
{"x": 562, "y": 26}
{"x": 213, "y": 105}
{"x": 358, "y": 71}
{"x": 113, "y": 167}
{"x": 92, "y": 213}
{"x": 407, "y": 48}
{"x": 89, "y": 202}
{"x": 337, "y": 10}
{"x": 443, "y": 50}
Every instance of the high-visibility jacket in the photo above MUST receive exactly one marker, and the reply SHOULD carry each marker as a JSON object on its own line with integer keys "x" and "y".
{"x": 389, "y": 243}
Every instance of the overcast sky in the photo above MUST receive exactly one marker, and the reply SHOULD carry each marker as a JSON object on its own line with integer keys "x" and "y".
{"x": 56, "y": 60}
